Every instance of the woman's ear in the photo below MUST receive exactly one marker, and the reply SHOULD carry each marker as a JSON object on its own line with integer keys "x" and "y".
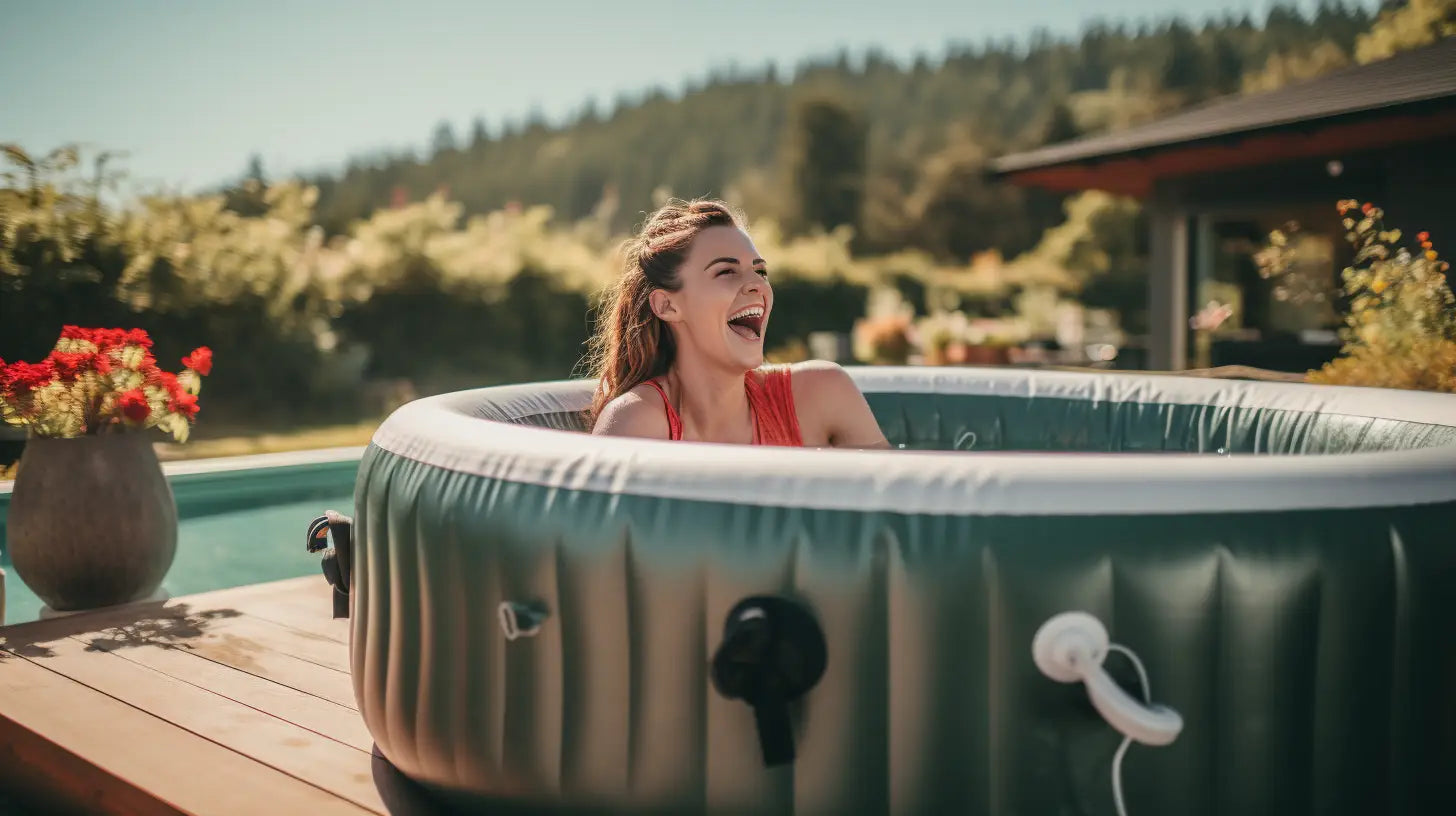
{"x": 663, "y": 307}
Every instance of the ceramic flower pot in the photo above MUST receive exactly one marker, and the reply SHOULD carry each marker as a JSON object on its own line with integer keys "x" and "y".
{"x": 92, "y": 520}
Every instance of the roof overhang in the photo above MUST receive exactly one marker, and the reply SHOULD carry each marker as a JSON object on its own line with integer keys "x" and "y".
{"x": 1134, "y": 172}
{"x": 1405, "y": 99}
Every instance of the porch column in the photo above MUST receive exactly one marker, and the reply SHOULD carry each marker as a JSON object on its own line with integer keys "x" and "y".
{"x": 1168, "y": 289}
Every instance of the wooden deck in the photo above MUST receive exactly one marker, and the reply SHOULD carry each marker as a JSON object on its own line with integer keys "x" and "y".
{"x": 231, "y": 702}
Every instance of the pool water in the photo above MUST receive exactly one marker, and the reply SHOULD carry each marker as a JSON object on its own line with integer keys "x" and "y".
{"x": 236, "y": 527}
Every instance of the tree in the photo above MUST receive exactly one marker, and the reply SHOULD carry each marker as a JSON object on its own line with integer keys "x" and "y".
{"x": 826, "y": 156}
{"x": 1184, "y": 69}
{"x": 1227, "y": 65}
{"x": 444, "y": 140}
{"x": 255, "y": 169}
{"x": 1059, "y": 126}
{"x": 1418, "y": 23}
{"x": 479, "y": 133}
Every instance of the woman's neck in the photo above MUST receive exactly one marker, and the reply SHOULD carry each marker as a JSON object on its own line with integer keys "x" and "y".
{"x": 711, "y": 402}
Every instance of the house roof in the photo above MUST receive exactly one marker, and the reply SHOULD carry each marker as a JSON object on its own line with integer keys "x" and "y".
{"x": 1419, "y": 76}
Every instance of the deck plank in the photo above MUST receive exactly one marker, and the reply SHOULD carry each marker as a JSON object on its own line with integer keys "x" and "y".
{"x": 284, "y": 639}
{"x": 308, "y": 608}
{"x": 323, "y": 762}
{"x": 329, "y": 719}
{"x": 245, "y": 654}
{"x": 166, "y": 768}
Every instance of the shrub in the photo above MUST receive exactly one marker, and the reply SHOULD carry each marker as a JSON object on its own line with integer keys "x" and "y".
{"x": 1400, "y": 330}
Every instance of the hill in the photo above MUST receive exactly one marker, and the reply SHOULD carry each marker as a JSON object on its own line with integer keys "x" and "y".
{"x": 892, "y": 150}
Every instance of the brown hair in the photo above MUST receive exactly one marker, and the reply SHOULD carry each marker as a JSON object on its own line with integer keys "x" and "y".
{"x": 631, "y": 345}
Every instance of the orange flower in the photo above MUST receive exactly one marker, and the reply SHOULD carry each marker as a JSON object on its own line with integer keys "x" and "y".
{"x": 1378, "y": 286}
{"x": 1423, "y": 236}
{"x": 1430, "y": 254}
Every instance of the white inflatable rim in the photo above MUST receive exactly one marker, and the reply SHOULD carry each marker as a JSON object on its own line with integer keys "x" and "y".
{"x": 449, "y": 432}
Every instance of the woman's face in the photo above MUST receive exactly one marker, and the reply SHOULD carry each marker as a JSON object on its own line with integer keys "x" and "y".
{"x": 721, "y": 309}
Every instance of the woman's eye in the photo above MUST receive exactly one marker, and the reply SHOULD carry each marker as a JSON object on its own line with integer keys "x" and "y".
{"x": 727, "y": 270}
{"x": 762, "y": 271}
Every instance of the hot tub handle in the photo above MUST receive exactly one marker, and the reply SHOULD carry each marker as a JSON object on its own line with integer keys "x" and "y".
{"x": 519, "y": 620}
{"x": 772, "y": 653}
{"x": 337, "y": 561}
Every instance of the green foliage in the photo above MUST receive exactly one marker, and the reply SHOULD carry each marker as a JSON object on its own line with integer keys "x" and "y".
{"x": 1411, "y": 25}
{"x": 1400, "y": 326}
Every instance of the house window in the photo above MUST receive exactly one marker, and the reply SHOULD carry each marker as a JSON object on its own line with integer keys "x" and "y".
{"x": 1288, "y": 323}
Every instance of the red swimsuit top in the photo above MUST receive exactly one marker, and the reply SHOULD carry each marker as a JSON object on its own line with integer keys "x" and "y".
{"x": 770, "y": 397}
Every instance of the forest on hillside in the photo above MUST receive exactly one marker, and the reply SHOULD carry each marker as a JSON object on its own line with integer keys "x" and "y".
{"x": 332, "y": 299}
{"x": 895, "y": 152}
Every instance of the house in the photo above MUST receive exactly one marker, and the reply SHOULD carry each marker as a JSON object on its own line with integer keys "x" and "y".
{"x": 1216, "y": 179}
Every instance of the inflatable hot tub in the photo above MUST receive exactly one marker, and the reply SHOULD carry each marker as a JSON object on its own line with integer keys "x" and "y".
{"x": 547, "y": 619}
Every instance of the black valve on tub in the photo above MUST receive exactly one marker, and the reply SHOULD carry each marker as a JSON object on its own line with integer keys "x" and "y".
{"x": 773, "y": 652}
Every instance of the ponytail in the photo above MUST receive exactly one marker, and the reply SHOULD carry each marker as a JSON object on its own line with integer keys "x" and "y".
{"x": 631, "y": 344}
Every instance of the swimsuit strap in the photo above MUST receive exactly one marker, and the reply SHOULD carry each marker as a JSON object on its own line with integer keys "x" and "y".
{"x": 770, "y": 398}
{"x": 771, "y": 394}
{"x": 674, "y": 422}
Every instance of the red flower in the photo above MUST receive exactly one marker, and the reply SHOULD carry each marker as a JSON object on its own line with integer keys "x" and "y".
{"x": 108, "y": 339}
{"x": 168, "y": 380}
{"x": 200, "y": 360}
{"x": 1367, "y": 208}
{"x": 134, "y": 405}
{"x": 71, "y": 364}
{"x": 183, "y": 403}
{"x": 1423, "y": 236}
{"x": 22, "y": 376}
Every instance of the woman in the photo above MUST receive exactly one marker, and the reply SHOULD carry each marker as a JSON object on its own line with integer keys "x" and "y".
{"x": 679, "y": 352}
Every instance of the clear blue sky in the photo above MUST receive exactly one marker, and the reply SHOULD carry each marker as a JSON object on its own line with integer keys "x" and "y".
{"x": 191, "y": 88}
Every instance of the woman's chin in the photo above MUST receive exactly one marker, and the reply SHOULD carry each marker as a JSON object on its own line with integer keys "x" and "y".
{"x": 747, "y": 353}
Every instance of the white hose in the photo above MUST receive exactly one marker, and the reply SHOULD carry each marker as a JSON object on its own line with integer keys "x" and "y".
{"x": 1126, "y": 741}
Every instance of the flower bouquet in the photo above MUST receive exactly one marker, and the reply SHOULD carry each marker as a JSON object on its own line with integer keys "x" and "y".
{"x": 92, "y": 519}
{"x": 98, "y": 381}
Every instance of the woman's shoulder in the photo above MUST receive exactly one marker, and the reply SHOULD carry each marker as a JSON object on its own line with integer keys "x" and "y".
{"x": 818, "y": 379}
{"x": 639, "y": 412}
{"x": 831, "y": 407}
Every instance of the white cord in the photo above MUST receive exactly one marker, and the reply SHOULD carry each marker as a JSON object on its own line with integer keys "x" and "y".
{"x": 1126, "y": 741}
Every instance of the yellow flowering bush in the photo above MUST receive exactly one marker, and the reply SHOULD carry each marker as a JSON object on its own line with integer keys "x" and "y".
{"x": 1400, "y": 330}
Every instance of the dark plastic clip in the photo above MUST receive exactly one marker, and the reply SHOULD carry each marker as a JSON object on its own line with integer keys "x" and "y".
{"x": 337, "y": 561}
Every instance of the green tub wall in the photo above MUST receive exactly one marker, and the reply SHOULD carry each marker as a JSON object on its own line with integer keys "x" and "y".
{"x": 1311, "y": 653}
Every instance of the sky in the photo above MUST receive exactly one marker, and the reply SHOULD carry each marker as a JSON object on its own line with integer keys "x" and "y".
{"x": 191, "y": 88}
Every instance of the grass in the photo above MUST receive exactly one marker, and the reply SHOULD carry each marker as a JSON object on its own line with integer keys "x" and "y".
{"x": 330, "y": 436}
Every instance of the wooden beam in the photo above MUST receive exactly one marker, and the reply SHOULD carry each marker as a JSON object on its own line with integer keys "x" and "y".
{"x": 1168, "y": 288}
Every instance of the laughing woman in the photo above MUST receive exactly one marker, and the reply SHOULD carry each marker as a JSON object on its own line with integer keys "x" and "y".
{"x": 679, "y": 350}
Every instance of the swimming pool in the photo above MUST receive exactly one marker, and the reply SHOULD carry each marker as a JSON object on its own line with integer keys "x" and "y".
{"x": 241, "y": 521}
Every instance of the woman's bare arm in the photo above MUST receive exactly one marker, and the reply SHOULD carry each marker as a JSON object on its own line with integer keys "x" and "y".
{"x": 836, "y": 409}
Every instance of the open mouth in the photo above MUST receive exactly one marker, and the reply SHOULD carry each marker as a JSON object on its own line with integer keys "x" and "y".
{"x": 747, "y": 323}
